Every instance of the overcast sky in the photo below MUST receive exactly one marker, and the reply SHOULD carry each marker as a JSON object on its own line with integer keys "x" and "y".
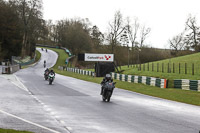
{"x": 166, "y": 18}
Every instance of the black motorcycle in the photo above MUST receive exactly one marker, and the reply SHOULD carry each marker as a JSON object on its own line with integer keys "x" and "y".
{"x": 51, "y": 78}
{"x": 108, "y": 88}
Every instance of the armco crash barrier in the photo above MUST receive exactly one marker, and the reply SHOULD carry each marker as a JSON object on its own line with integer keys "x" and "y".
{"x": 79, "y": 71}
{"x": 187, "y": 84}
{"x": 162, "y": 83}
{"x": 10, "y": 69}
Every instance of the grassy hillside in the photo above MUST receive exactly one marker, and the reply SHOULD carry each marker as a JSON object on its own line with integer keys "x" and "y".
{"x": 183, "y": 67}
{"x": 179, "y": 65}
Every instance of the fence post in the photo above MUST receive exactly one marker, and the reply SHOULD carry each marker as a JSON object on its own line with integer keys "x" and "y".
{"x": 173, "y": 68}
{"x": 152, "y": 67}
{"x": 157, "y": 67}
{"x": 148, "y": 66}
{"x": 143, "y": 67}
{"x": 179, "y": 68}
{"x": 185, "y": 68}
{"x": 192, "y": 68}
{"x": 140, "y": 67}
{"x": 168, "y": 68}
{"x": 162, "y": 67}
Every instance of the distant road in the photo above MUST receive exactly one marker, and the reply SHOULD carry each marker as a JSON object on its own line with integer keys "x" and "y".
{"x": 0, "y": 69}
{"x": 72, "y": 105}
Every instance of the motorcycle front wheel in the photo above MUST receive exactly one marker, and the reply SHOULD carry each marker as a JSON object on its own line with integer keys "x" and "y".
{"x": 108, "y": 96}
{"x": 103, "y": 98}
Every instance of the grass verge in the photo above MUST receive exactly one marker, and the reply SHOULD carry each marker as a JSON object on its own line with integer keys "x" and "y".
{"x": 38, "y": 55}
{"x": 12, "y": 131}
{"x": 184, "y": 96}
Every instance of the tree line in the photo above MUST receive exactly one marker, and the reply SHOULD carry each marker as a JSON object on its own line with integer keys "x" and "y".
{"x": 124, "y": 38}
{"x": 188, "y": 39}
{"x": 22, "y": 26}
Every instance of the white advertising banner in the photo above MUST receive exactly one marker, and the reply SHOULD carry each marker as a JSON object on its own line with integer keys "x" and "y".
{"x": 99, "y": 57}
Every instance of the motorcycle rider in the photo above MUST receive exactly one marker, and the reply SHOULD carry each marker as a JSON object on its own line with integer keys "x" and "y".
{"x": 107, "y": 78}
{"x": 52, "y": 72}
{"x": 46, "y": 71}
{"x": 46, "y": 50}
{"x": 44, "y": 63}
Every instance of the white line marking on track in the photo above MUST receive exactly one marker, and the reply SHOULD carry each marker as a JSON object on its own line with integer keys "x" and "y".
{"x": 69, "y": 128}
{"x": 62, "y": 122}
{"x": 56, "y": 116}
{"x": 23, "y": 87}
{"x": 52, "y": 113}
{"x": 32, "y": 123}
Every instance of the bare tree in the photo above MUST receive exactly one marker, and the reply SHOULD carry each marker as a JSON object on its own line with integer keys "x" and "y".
{"x": 116, "y": 28}
{"x": 132, "y": 34}
{"x": 177, "y": 43}
{"x": 144, "y": 32}
{"x": 193, "y": 37}
{"x": 132, "y": 30}
{"x": 143, "y": 35}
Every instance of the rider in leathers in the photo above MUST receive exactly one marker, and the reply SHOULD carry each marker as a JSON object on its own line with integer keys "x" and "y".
{"x": 107, "y": 78}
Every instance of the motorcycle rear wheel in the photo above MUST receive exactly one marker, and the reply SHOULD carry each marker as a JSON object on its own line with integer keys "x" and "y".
{"x": 103, "y": 98}
{"x": 108, "y": 100}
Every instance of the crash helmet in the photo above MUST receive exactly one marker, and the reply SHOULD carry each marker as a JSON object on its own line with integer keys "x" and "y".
{"x": 51, "y": 71}
{"x": 108, "y": 77}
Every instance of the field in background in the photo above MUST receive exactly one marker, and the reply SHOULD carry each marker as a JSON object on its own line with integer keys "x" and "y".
{"x": 186, "y": 65}
{"x": 183, "y": 67}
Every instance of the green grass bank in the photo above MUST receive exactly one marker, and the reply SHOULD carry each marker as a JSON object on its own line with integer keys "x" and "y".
{"x": 37, "y": 58}
{"x": 12, "y": 131}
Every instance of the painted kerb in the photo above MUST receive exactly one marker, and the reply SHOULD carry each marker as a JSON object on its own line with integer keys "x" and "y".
{"x": 162, "y": 83}
{"x": 76, "y": 70}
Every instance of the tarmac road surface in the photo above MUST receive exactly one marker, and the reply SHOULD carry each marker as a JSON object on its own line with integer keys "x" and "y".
{"x": 28, "y": 102}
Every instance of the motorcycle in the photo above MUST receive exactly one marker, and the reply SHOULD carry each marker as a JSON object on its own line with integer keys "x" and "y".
{"x": 46, "y": 74}
{"x": 46, "y": 50}
{"x": 51, "y": 78}
{"x": 108, "y": 90}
